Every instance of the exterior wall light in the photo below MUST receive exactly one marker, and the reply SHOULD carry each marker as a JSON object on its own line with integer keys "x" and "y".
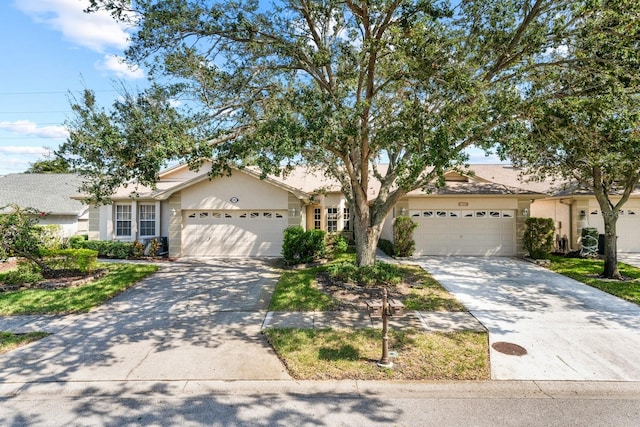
{"x": 403, "y": 211}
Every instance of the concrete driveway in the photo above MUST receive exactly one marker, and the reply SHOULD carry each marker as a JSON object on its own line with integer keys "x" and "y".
{"x": 570, "y": 331}
{"x": 189, "y": 321}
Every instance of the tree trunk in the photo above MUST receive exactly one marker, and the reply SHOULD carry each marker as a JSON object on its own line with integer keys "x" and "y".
{"x": 610, "y": 246}
{"x": 366, "y": 236}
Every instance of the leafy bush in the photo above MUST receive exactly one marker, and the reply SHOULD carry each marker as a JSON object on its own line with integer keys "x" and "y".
{"x": 403, "y": 242}
{"x": 51, "y": 236}
{"x": 26, "y": 273}
{"x": 336, "y": 244}
{"x": 75, "y": 242}
{"x": 381, "y": 274}
{"x": 538, "y": 237}
{"x": 81, "y": 260}
{"x": 107, "y": 249}
{"x": 386, "y": 246}
{"x": 301, "y": 246}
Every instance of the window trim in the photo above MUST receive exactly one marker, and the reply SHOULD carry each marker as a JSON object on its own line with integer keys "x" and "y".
{"x": 141, "y": 221}
{"x": 122, "y": 211}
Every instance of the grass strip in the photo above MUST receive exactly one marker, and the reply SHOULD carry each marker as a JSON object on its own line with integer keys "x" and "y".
{"x": 296, "y": 291}
{"x": 587, "y": 271}
{"x": 327, "y": 354}
{"x": 77, "y": 299}
{"x": 10, "y": 341}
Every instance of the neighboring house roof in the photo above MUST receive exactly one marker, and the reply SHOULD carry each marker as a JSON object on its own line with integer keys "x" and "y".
{"x": 49, "y": 193}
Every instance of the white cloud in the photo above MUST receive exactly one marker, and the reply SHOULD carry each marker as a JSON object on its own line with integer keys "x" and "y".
{"x": 17, "y": 149}
{"x": 96, "y": 31}
{"x": 26, "y": 127}
{"x": 117, "y": 65}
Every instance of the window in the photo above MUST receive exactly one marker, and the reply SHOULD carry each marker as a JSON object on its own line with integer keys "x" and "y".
{"x": 346, "y": 215}
{"x": 267, "y": 215}
{"x": 494, "y": 214}
{"x": 427, "y": 214}
{"x": 254, "y": 215}
{"x": 123, "y": 220}
{"x": 332, "y": 220}
{"x": 147, "y": 216}
{"x": 317, "y": 224}
{"x": 454, "y": 214}
{"x": 481, "y": 214}
{"x": 441, "y": 214}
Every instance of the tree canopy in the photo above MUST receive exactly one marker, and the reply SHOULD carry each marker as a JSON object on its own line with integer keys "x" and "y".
{"x": 582, "y": 118}
{"x": 340, "y": 85}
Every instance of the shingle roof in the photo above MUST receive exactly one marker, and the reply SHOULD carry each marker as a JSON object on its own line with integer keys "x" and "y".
{"x": 45, "y": 192}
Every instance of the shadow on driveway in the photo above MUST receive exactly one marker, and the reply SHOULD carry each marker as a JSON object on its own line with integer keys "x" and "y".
{"x": 571, "y": 331}
{"x": 189, "y": 321}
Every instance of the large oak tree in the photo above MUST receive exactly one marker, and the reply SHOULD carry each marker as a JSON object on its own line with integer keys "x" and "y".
{"x": 339, "y": 85}
{"x": 583, "y": 117}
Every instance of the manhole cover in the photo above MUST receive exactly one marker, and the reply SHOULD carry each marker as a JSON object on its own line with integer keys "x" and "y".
{"x": 509, "y": 348}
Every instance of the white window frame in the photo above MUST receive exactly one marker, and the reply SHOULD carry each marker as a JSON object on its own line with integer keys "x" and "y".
{"x": 332, "y": 219}
{"x": 123, "y": 215}
{"x": 147, "y": 218}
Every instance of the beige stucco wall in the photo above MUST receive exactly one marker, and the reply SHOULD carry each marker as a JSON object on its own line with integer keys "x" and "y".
{"x": 559, "y": 211}
{"x": 252, "y": 193}
{"x": 175, "y": 225}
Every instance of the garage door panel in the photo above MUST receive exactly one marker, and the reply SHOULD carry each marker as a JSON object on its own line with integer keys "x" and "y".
{"x": 466, "y": 235}
{"x": 234, "y": 234}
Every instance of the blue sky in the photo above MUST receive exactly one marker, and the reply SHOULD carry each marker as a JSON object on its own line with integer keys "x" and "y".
{"x": 49, "y": 49}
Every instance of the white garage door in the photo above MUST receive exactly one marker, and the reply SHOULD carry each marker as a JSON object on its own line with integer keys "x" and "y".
{"x": 233, "y": 233}
{"x": 627, "y": 228}
{"x": 465, "y": 232}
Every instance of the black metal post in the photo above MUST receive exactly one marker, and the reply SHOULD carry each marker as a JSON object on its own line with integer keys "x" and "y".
{"x": 384, "y": 362}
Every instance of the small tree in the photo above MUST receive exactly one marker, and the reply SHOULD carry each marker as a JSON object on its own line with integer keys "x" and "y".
{"x": 403, "y": 243}
{"x": 538, "y": 237}
{"x": 20, "y": 236}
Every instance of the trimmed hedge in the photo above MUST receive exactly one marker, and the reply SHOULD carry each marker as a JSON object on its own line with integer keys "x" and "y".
{"x": 81, "y": 260}
{"x": 538, "y": 237}
{"x": 299, "y": 246}
{"x": 108, "y": 249}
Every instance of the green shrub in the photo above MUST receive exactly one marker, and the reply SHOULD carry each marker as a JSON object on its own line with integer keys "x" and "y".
{"x": 25, "y": 274}
{"x": 51, "y": 236}
{"x": 538, "y": 237}
{"x": 81, "y": 260}
{"x": 386, "y": 246}
{"x": 381, "y": 274}
{"x": 301, "y": 246}
{"x": 75, "y": 242}
{"x": 336, "y": 244}
{"x": 108, "y": 249}
{"x": 403, "y": 243}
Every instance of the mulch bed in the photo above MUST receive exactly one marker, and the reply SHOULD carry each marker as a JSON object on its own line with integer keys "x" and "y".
{"x": 355, "y": 297}
{"x": 60, "y": 279}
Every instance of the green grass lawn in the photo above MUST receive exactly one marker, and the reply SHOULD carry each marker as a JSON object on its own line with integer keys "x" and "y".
{"x": 75, "y": 299}
{"x": 297, "y": 290}
{"x": 587, "y": 270}
{"x": 9, "y": 341}
{"x": 327, "y": 354}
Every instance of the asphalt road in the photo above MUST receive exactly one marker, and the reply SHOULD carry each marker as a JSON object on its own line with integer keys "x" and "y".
{"x": 278, "y": 403}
